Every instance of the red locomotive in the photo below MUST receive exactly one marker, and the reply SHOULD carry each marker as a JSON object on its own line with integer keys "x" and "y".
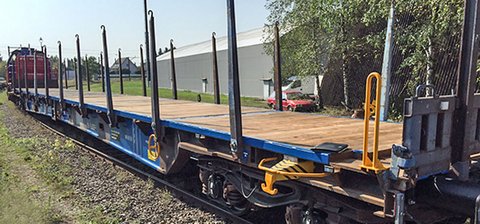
{"x": 21, "y": 69}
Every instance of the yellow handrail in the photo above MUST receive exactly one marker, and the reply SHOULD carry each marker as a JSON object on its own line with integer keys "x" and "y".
{"x": 367, "y": 162}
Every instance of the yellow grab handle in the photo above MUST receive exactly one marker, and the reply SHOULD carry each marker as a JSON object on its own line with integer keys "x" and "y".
{"x": 372, "y": 108}
{"x": 153, "y": 149}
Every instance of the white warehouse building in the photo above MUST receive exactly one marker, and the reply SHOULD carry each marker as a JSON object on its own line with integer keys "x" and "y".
{"x": 194, "y": 66}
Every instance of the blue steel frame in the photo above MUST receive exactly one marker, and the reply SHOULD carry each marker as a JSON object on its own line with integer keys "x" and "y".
{"x": 136, "y": 147}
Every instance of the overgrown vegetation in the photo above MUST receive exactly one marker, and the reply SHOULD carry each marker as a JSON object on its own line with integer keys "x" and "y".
{"x": 17, "y": 204}
{"x": 343, "y": 40}
{"x": 36, "y": 183}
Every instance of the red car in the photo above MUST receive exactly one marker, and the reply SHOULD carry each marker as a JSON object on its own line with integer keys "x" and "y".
{"x": 293, "y": 101}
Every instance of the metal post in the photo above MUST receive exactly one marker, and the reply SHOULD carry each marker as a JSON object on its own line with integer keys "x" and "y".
{"x": 66, "y": 74}
{"x": 477, "y": 210}
{"x": 108, "y": 88}
{"x": 399, "y": 207}
{"x": 120, "y": 73}
{"x": 80, "y": 79}
{"x": 154, "y": 86}
{"x": 174, "y": 73}
{"x": 277, "y": 77}
{"x": 216, "y": 84}
{"x": 87, "y": 73}
{"x": 147, "y": 43}
{"x": 102, "y": 73}
{"x": 35, "y": 73}
{"x": 18, "y": 79}
{"x": 466, "y": 83}
{"x": 387, "y": 66}
{"x": 142, "y": 71}
{"x": 235, "y": 112}
{"x": 60, "y": 74}
{"x": 45, "y": 74}
{"x": 76, "y": 74}
{"x": 25, "y": 73}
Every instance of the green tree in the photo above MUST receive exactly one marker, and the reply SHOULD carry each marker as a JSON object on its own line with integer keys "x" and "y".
{"x": 54, "y": 62}
{"x": 329, "y": 36}
{"x": 93, "y": 66}
{"x": 426, "y": 32}
{"x": 343, "y": 40}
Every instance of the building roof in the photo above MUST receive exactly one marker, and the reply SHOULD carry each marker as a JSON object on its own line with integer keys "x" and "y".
{"x": 244, "y": 39}
{"x": 125, "y": 59}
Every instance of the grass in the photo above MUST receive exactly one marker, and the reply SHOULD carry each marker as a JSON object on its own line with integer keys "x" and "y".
{"x": 17, "y": 204}
{"x": 134, "y": 87}
{"x": 36, "y": 183}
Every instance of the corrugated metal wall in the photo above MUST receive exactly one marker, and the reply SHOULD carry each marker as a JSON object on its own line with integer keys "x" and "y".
{"x": 254, "y": 65}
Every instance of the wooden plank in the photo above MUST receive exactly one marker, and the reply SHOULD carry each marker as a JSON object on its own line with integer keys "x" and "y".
{"x": 169, "y": 109}
{"x": 354, "y": 164}
{"x": 300, "y": 129}
{"x": 283, "y": 127}
{"x": 364, "y": 194}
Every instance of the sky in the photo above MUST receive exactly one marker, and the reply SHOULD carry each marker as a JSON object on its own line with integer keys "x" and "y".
{"x": 185, "y": 21}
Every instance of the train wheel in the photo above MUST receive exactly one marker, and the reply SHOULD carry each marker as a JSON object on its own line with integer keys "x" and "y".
{"x": 300, "y": 214}
{"x": 218, "y": 189}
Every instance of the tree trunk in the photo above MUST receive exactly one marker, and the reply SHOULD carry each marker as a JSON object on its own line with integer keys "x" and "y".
{"x": 346, "y": 81}
{"x": 319, "y": 98}
{"x": 429, "y": 78}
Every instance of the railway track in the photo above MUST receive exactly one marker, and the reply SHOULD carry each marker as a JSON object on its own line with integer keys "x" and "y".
{"x": 124, "y": 161}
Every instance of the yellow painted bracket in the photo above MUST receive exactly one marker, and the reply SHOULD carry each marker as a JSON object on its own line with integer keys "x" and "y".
{"x": 285, "y": 170}
{"x": 153, "y": 148}
{"x": 372, "y": 108}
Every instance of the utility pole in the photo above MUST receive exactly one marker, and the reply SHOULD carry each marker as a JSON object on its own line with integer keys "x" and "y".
{"x": 387, "y": 66}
